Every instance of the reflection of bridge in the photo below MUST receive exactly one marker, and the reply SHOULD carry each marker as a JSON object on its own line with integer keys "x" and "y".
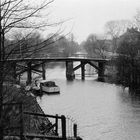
{"x": 30, "y": 65}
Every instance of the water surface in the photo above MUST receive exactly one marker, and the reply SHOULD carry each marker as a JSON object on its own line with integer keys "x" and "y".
{"x": 102, "y": 111}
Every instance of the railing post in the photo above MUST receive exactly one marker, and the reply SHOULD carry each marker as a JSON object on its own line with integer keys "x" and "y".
{"x": 75, "y": 130}
{"x": 56, "y": 127}
{"x": 63, "y": 120}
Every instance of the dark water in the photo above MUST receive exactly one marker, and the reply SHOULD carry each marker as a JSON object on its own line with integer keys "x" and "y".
{"x": 102, "y": 111}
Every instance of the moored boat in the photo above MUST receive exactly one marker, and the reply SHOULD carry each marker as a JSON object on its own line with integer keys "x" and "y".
{"x": 49, "y": 87}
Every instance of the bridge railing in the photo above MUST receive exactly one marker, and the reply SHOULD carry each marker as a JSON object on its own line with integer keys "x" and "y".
{"x": 75, "y": 55}
{"x": 54, "y": 55}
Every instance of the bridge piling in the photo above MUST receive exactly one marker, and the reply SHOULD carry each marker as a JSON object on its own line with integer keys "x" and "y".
{"x": 69, "y": 70}
{"x": 82, "y": 70}
{"x": 101, "y": 70}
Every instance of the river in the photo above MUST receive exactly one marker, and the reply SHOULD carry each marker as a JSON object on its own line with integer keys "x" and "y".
{"x": 102, "y": 111}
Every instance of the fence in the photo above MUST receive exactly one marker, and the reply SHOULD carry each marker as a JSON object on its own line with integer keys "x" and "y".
{"x": 28, "y": 125}
{"x": 59, "y": 125}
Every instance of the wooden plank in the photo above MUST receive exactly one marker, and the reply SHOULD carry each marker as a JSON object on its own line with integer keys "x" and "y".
{"x": 43, "y": 136}
{"x": 34, "y": 70}
{"x": 79, "y": 66}
{"x": 43, "y": 115}
{"x": 27, "y": 135}
{"x": 48, "y": 137}
{"x": 26, "y": 68}
{"x": 93, "y": 65}
{"x": 59, "y": 59}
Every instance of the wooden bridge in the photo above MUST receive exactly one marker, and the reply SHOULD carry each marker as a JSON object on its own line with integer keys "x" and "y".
{"x": 30, "y": 65}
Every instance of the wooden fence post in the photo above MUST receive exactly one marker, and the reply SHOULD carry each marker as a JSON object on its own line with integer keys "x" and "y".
{"x": 75, "y": 130}
{"x": 63, "y": 120}
{"x": 56, "y": 127}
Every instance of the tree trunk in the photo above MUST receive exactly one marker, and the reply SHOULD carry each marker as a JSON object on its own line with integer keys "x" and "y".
{"x": 1, "y": 99}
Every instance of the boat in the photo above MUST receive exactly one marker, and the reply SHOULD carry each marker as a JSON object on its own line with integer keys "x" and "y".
{"x": 49, "y": 87}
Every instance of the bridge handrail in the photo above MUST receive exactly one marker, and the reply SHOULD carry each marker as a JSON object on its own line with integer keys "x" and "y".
{"x": 17, "y": 57}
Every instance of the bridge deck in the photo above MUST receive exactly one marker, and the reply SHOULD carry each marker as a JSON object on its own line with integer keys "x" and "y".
{"x": 59, "y": 59}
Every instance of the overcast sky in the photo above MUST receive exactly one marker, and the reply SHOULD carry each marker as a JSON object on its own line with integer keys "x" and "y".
{"x": 90, "y": 16}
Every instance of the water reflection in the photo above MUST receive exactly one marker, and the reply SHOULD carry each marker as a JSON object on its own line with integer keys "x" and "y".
{"x": 102, "y": 111}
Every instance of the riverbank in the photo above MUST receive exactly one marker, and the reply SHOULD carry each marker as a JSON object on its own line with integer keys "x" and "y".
{"x": 14, "y": 97}
{"x": 111, "y": 76}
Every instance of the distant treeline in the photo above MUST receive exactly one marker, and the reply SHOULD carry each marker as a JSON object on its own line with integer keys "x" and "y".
{"x": 127, "y": 60}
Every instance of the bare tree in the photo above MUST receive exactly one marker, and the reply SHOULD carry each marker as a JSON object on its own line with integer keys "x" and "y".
{"x": 16, "y": 15}
{"x": 114, "y": 29}
{"x": 89, "y": 44}
{"x": 96, "y": 46}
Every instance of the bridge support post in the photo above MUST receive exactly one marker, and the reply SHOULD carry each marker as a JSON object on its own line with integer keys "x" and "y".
{"x": 29, "y": 73}
{"x": 101, "y": 66}
{"x": 43, "y": 71}
{"x": 82, "y": 70}
{"x": 69, "y": 70}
